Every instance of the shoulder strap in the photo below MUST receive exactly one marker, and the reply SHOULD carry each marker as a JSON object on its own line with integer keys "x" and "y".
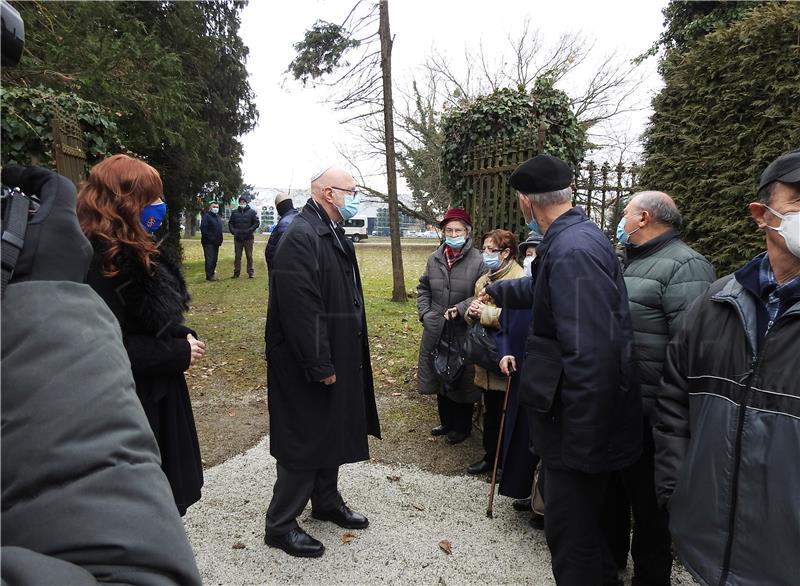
{"x": 15, "y": 224}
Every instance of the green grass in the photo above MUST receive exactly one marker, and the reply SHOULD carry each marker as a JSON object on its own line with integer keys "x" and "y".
{"x": 230, "y": 315}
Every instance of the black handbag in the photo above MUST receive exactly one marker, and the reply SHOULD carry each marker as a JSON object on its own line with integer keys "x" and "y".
{"x": 480, "y": 347}
{"x": 448, "y": 359}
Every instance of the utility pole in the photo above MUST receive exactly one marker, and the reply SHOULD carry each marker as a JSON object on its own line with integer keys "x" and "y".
{"x": 398, "y": 278}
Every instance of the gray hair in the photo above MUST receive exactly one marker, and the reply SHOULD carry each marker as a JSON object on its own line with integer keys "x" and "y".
{"x": 550, "y": 198}
{"x": 660, "y": 206}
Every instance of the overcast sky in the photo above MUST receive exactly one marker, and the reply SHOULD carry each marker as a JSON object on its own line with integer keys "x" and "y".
{"x": 298, "y": 131}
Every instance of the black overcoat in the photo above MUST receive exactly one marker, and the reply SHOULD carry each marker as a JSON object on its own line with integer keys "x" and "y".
{"x": 317, "y": 327}
{"x": 149, "y": 308}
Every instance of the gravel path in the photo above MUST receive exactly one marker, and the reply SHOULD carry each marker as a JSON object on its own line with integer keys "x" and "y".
{"x": 410, "y": 514}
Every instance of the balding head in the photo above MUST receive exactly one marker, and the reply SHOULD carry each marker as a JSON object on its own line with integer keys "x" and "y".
{"x": 330, "y": 188}
{"x": 660, "y": 206}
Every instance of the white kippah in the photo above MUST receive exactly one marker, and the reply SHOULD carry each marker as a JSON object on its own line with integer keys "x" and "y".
{"x": 319, "y": 172}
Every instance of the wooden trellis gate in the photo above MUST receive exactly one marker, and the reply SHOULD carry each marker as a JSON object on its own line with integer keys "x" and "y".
{"x": 601, "y": 189}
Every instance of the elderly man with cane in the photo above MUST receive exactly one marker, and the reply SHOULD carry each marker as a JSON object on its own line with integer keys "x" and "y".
{"x": 579, "y": 383}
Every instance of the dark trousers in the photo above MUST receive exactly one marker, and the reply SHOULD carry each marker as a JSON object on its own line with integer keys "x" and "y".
{"x": 573, "y": 528}
{"x": 293, "y": 489}
{"x": 238, "y": 245}
{"x": 211, "y": 254}
{"x": 492, "y": 412}
{"x": 651, "y": 547}
{"x": 455, "y": 416}
{"x": 617, "y": 519}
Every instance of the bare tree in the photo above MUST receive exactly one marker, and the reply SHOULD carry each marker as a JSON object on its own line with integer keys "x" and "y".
{"x": 365, "y": 90}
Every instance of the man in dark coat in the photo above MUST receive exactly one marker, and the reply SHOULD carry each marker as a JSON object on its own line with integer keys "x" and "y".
{"x": 579, "y": 374}
{"x": 727, "y": 428}
{"x": 211, "y": 239}
{"x": 287, "y": 213}
{"x": 243, "y": 223}
{"x": 320, "y": 389}
{"x": 663, "y": 276}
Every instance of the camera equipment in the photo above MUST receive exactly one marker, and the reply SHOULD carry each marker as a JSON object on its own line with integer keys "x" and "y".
{"x": 17, "y": 209}
{"x": 13, "y": 34}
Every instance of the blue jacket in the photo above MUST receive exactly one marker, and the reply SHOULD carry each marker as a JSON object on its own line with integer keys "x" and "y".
{"x": 277, "y": 232}
{"x": 211, "y": 229}
{"x": 579, "y": 374}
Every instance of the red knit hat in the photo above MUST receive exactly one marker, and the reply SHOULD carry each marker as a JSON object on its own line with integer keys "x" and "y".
{"x": 456, "y": 214}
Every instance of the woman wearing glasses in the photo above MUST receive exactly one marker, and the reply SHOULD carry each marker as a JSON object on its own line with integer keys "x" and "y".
{"x": 444, "y": 294}
{"x": 499, "y": 248}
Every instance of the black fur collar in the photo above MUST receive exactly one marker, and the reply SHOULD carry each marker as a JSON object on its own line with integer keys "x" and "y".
{"x": 154, "y": 301}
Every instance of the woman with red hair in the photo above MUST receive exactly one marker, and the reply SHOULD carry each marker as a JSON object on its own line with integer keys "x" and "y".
{"x": 119, "y": 207}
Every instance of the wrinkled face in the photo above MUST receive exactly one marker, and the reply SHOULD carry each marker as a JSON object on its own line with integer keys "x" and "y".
{"x": 455, "y": 228}
{"x": 785, "y": 200}
{"x": 491, "y": 247}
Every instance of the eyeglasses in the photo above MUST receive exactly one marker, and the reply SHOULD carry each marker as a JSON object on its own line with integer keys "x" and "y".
{"x": 355, "y": 192}
{"x": 492, "y": 249}
{"x": 454, "y": 231}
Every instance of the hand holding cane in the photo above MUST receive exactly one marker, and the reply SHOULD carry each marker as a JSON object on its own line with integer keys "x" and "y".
{"x": 499, "y": 447}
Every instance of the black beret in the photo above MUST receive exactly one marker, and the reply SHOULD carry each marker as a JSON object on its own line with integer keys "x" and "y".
{"x": 785, "y": 169}
{"x": 541, "y": 174}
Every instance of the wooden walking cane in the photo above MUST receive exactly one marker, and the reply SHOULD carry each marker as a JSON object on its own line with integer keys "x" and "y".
{"x": 499, "y": 447}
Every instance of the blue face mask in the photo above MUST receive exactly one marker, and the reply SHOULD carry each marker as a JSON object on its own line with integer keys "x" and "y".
{"x": 455, "y": 243}
{"x": 214, "y": 210}
{"x": 351, "y": 204}
{"x": 492, "y": 260}
{"x": 533, "y": 226}
{"x": 152, "y": 216}
{"x": 622, "y": 236}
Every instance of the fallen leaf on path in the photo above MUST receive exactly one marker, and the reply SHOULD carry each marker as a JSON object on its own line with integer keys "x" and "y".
{"x": 231, "y": 414}
{"x": 347, "y": 537}
{"x": 239, "y": 545}
{"x": 418, "y": 507}
{"x": 431, "y": 439}
{"x": 393, "y": 478}
{"x": 445, "y": 546}
{"x": 396, "y": 394}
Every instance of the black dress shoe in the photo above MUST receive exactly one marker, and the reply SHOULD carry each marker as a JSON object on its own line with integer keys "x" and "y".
{"x": 479, "y": 467}
{"x": 440, "y": 430}
{"x": 456, "y": 437}
{"x": 343, "y": 517}
{"x": 249, "y": 276}
{"x": 235, "y": 276}
{"x": 522, "y": 505}
{"x": 297, "y": 543}
{"x": 537, "y": 522}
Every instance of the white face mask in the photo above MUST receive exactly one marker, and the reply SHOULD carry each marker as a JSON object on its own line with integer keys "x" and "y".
{"x": 527, "y": 265}
{"x": 789, "y": 229}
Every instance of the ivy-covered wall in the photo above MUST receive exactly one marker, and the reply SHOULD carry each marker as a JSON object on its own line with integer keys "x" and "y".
{"x": 730, "y": 105}
{"x": 504, "y": 114}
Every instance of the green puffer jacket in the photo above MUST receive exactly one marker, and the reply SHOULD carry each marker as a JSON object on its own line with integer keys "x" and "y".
{"x": 663, "y": 277}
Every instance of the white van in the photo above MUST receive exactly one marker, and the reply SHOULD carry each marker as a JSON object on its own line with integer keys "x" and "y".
{"x": 356, "y": 228}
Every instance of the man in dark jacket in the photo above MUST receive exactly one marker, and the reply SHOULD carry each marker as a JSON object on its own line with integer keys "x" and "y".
{"x": 579, "y": 374}
{"x": 663, "y": 276}
{"x": 211, "y": 239}
{"x": 320, "y": 389}
{"x": 727, "y": 429}
{"x": 243, "y": 223}
{"x": 287, "y": 213}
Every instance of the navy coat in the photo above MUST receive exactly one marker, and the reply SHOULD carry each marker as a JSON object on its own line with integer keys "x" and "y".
{"x": 518, "y": 460}
{"x": 275, "y": 236}
{"x": 579, "y": 381}
{"x": 317, "y": 327}
{"x": 211, "y": 229}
